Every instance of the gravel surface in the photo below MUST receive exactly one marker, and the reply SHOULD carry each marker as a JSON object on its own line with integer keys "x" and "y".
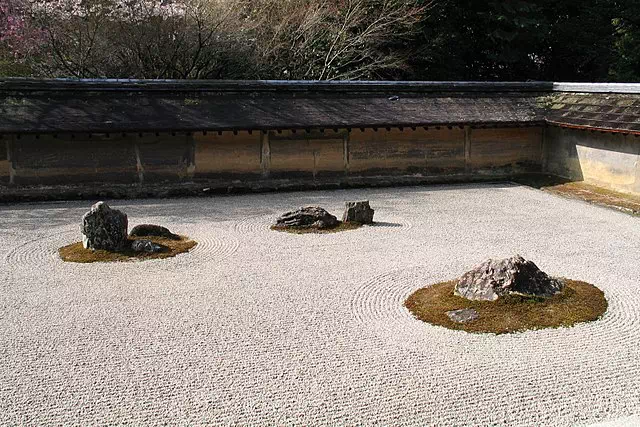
{"x": 256, "y": 327}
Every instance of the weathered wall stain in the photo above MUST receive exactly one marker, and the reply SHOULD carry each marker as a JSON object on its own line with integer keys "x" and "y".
{"x": 407, "y": 151}
{"x": 49, "y": 160}
{"x": 491, "y": 148}
{"x": 227, "y": 154}
{"x": 306, "y": 154}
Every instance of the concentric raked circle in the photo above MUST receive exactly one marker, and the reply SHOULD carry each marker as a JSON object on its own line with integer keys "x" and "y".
{"x": 254, "y": 224}
{"x": 38, "y": 252}
{"x": 379, "y": 306}
{"x": 561, "y": 361}
{"x": 213, "y": 245}
{"x": 381, "y": 299}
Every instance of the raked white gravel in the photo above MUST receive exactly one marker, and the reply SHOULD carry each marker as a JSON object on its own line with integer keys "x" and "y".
{"x": 256, "y": 327}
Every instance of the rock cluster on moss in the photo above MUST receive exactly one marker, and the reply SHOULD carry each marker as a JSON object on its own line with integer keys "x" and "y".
{"x": 307, "y": 217}
{"x": 317, "y": 218}
{"x": 104, "y": 228}
{"x": 146, "y": 230}
{"x": 493, "y": 279}
{"x": 359, "y": 212}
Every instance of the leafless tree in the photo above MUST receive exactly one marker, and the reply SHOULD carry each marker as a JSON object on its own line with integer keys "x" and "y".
{"x": 206, "y": 39}
{"x": 144, "y": 38}
{"x": 193, "y": 39}
{"x": 334, "y": 39}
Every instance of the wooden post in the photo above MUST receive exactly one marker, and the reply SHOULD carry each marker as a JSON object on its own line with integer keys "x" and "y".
{"x": 467, "y": 149}
{"x": 315, "y": 163}
{"x": 139, "y": 166}
{"x": 345, "y": 150}
{"x": 265, "y": 154}
{"x": 544, "y": 148}
{"x": 12, "y": 162}
{"x": 191, "y": 157}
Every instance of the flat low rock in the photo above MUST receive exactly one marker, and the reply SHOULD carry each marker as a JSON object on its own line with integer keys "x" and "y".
{"x": 511, "y": 276}
{"x": 104, "y": 228}
{"x": 146, "y": 246}
{"x": 146, "y": 230}
{"x": 463, "y": 316}
{"x": 307, "y": 217}
{"x": 359, "y": 212}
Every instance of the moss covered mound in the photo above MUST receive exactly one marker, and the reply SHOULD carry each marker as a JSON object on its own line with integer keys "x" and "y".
{"x": 77, "y": 253}
{"x": 342, "y": 226}
{"x": 578, "y": 302}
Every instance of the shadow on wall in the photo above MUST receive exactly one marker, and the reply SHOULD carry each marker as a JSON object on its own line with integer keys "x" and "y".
{"x": 604, "y": 159}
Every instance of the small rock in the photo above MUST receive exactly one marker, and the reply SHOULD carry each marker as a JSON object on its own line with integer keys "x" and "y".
{"x": 511, "y": 276}
{"x": 307, "y": 217}
{"x": 146, "y": 246}
{"x": 358, "y": 212}
{"x": 463, "y": 316}
{"x": 104, "y": 228}
{"x": 144, "y": 230}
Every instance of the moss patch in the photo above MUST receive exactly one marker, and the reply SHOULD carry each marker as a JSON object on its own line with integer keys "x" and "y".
{"x": 587, "y": 192}
{"x": 599, "y": 196}
{"x": 578, "y": 302}
{"x": 342, "y": 226}
{"x": 77, "y": 253}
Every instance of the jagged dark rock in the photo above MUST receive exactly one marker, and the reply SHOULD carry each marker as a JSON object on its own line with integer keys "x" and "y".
{"x": 146, "y": 246}
{"x": 359, "y": 212}
{"x": 145, "y": 230}
{"x": 307, "y": 217}
{"x": 511, "y": 276}
{"x": 104, "y": 228}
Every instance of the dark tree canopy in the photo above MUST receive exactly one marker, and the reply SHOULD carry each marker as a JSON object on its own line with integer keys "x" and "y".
{"x": 570, "y": 40}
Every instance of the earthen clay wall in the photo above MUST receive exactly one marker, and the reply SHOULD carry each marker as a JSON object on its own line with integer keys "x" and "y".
{"x": 304, "y": 156}
{"x": 609, "y": 160}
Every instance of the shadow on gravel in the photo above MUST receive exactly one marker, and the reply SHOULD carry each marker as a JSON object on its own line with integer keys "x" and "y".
{"x": 386, "y": 224}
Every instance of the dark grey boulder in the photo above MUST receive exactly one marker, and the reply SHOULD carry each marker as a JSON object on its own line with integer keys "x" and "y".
{"x": 104, "y": 228}
{"x": 307, "y": 217}
{"x": 463, "y": 316}
{"x": 146, "y": 230}
{"x": 359, "y": 212}
{"x": 146, "y": 246}
{"x": 511, "y": 276}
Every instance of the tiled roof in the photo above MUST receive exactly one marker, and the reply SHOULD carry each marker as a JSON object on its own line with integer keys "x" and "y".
{"x": 103, "y": 106}
{"x": 602, "y": 111}
{"x": 54, "y": 106}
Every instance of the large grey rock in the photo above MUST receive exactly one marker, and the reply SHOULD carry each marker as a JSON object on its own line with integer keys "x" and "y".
{"x": 307, "y": 217}
{"x": 511, "y": 276}
{"x": 146, "y": 246}
{"x": 463, "y": 316}
{"x": 358, "y": 212}
{"x": 145, "y": 230}
{"x": 104, "y": 228}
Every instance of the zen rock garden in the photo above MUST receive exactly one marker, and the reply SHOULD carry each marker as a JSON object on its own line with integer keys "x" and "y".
{"x": 314, "y": 219}
{"x": 507, "y": 295}
{"x": 105, "y": 238}
{"x": 496, "y": 296}
{"x": 429, "y": 305}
